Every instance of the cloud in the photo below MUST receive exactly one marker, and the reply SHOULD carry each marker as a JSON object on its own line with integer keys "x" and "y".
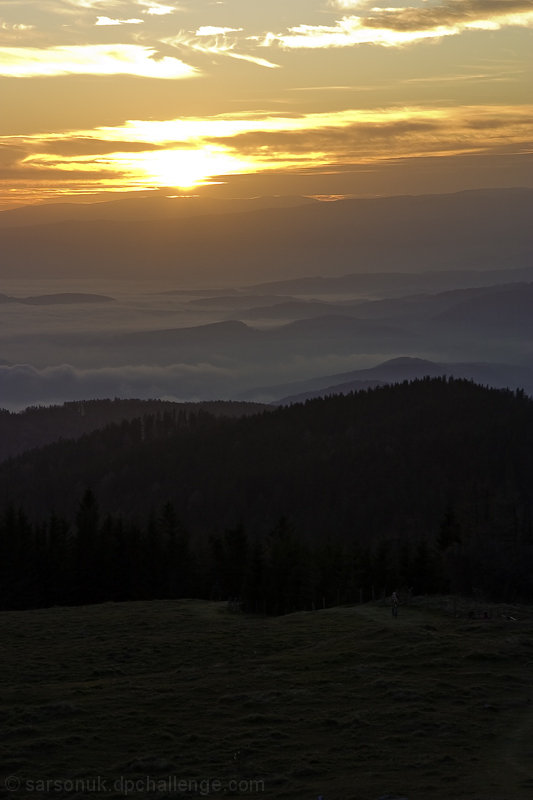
{"x": 216, "y": 46}
{"x": 83, "y": 146}
{"x": 96, "y": 59}
{"x": 109, "y": 21}
{"x": 143, "y": 154}
{"x": 221, "y": 51}
{"x": 68, "y": 8}
{"x": 89, "y": 5}
{"x": 15, "y": 33}
{"x": 16, "y": 27}
{"x": 149, "y": 7}
{"x": 344, "y": 5}
{"x": 483, "y": 14}
{"x": 156, "y": 9}
{"x": 10, "y": 155}
{"x": 22, "y": 385}
{"x": 402, "y": 26}
{"x": 93, "y": 4}
{"x": 352, "y": 140}
{"x": 366, "y": 137}
{"x": 211, "y": 30}
{"x": 55, "y": 178}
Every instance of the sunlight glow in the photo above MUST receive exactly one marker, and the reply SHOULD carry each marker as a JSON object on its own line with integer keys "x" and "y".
{"x": 191, "y": 152}
{"x": 186, "y": 168}
{"x": 308, "y": 95}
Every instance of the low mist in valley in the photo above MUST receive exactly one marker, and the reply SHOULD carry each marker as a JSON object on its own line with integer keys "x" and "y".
{"x": 161, "y": 335}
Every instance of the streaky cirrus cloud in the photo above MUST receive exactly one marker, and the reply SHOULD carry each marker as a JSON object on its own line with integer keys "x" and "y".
{"x": 74, "y": 146}
{"x": 91, "y": 59}
{"x": 212, "y": 30}
{"x": 105, "y": 21}
{"x": 215, "y": 45}
{"x": 382, "y": 135}
{"x": 394, "y": 27}
{"x": 196, "y": 130}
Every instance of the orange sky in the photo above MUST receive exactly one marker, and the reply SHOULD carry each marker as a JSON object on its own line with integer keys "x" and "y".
{"x": 236, "y": 98}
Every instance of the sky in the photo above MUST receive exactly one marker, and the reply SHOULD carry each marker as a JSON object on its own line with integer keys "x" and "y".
{"x": 238, "y": 98}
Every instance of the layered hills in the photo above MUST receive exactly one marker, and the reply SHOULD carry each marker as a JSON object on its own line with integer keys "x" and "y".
{"x": 369, "y": 464}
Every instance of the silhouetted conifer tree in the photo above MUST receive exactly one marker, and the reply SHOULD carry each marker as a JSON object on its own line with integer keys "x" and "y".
{"x": 86, "y": 550}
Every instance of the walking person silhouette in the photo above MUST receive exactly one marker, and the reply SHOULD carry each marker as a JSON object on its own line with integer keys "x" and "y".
{"x": 395, "y": 603}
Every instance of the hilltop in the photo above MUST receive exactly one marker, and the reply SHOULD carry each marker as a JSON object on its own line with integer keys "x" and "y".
{"x": 345, "y": 703}
{"x": 38, "y": 426}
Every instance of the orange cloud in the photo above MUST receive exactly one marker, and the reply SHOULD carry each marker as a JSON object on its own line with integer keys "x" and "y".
{"x": 188, "y": 152}
{"x": 95, "y": 59}
{"x": 402, "y": 26}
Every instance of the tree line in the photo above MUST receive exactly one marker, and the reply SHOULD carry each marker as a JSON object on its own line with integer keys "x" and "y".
{"x": 101, "y": 558}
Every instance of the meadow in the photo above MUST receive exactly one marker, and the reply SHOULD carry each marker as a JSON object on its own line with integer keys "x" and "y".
{"x": 187, "y": 698}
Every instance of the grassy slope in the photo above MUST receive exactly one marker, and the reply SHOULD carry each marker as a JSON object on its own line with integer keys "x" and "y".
{"x": 347, "y": 703}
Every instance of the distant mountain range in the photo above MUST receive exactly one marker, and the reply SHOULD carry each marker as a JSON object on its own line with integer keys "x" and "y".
{"x": 63, "y": 298}
{"x": 216, "y": 342}
{"x": 496, "y": 314}
{"x": 36, "y": 426}
{"x": 368, "y": 285}
{"x": 154, "y": 207}
{"x": 471, "y": 302}
{"x": 484, "y": 334}
{"x": 477, "y": 230}
{"x": 397, "y": 370}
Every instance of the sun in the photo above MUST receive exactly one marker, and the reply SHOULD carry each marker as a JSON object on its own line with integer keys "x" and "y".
{"x": 188, "y": 168}
{"x": 180, "y": 168}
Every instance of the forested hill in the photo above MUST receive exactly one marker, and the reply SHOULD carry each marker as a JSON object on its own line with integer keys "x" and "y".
{"x": 424, "y": 484}
{"x": 385, "y": 462}
{"x": 40, "y": 425}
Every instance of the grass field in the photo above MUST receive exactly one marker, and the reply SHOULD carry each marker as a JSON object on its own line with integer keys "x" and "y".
{"x": 176, "y": 699}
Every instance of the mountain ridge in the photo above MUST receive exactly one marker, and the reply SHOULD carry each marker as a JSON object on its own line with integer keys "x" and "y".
{"x": 489, "y": 229}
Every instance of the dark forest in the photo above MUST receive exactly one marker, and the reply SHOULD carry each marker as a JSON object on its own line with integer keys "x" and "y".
{"x": 421, "y": 487}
